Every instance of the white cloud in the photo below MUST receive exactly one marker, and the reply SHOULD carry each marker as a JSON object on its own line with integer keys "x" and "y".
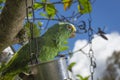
{"x": 102, "y": 50}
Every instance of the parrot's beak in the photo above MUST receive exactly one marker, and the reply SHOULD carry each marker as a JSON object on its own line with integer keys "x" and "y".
{"x": 73, "y": 31}
{"x": 73, "y": 28}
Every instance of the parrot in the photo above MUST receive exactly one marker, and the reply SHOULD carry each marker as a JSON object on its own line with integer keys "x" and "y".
{"x": 50, "y": 44}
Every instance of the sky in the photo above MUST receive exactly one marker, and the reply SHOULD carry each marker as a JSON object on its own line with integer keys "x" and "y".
{"x": 102, "y": 50}
{"x": 105, "y": 14}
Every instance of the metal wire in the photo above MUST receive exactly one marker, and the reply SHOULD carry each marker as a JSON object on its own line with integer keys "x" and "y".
{"x": 32, "y": 52}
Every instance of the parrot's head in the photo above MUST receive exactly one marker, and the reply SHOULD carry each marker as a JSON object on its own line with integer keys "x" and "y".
{"x": 68, "y": 28}
{"x": 63, "y": 30}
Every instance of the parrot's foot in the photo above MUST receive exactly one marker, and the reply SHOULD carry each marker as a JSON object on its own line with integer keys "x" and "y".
{"x": 26, "y": 76}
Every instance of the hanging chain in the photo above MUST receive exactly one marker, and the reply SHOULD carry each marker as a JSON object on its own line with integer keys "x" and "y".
{"x": 32, "y": 52}
{"x": 92, "y": 62}
{"x": 91, "y": 52}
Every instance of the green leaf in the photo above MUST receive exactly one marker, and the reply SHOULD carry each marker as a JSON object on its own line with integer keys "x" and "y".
{"x": 71, "y": 66}
{"x": 38, "y": 6}
{"x": 86, "y": 78}
{"x": 67, "y": 4}
{"x": 82, "y": 78}
{"x": 63, "y": 48}
{"x": 84, "y": 6}
{"x": 36, "y": 30}
{"x": 50, "y": 10}
{"x": 39, "y": 24}
{"x": 29, "y": 14}
{"x": 44, "y": 0}
{"x": 43, "y": 14}
{"x": 2, "y": 1}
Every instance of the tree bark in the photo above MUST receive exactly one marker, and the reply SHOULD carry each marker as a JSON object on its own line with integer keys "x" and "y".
{"x": 11, "y": 21}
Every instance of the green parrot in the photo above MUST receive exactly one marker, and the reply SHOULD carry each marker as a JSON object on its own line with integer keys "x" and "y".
{"x": 49, "y": 45}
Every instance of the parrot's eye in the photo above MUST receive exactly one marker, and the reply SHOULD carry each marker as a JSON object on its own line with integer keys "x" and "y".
{"x": 69, "y": 28}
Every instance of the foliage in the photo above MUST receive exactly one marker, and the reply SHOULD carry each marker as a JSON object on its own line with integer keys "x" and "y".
{"x": 38, "y": 5}
{"x": 48, "y": 7}
{"x": 1, "y": 3}
{"x": 50, "y": 10}
{"x": 36, "y": 30}
{"x": 84, "y": 6}
{"x": 80, "y": 77}
{"x": 71, "y": 66}
{"x": 67, "y": 4}
{"x": 83, "y": 78}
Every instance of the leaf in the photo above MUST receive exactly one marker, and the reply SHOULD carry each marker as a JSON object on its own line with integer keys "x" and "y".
{"x": 2, "y": 1}
{"x": 38, "y": 6}
{"x": 36, "y": 30}
{"x": 43, "y": 14}
{"x": 30, "y": 15}
{"x": 63, "y": 48}
{"x": 50, "y": 10}
{"x": 1, "y": 4}
{"x": 44, "y": 0}
{"x": 67, "y": 4}
{"x": 82, "y": 78}
{"x": 40, "y": 24}
{"x": 84, "y": 6}
{"x": 86, "y": 78}
{"x": 27, "y": 29}
{"x": 71, "y": 66}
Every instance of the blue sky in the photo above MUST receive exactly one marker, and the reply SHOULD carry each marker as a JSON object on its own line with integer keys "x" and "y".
{"x": 107, "y": 13}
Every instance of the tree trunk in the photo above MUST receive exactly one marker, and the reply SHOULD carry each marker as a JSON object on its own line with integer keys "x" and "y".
{"x": 11, "y": 21}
